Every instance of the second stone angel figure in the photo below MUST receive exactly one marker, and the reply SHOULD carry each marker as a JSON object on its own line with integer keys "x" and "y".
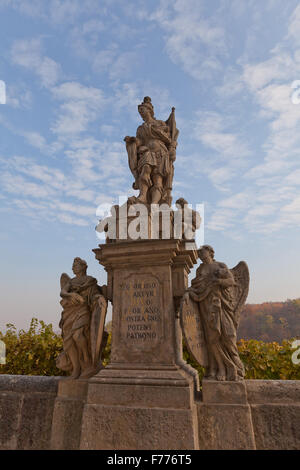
{"x": 82, "y": 322}
{"x": 210, "y": 311}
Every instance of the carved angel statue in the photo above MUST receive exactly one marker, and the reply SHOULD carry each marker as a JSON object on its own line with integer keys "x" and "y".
{"x": 151, "y": 155}
{"x": 210, "y": 312}
{"x": 82, "y": 322}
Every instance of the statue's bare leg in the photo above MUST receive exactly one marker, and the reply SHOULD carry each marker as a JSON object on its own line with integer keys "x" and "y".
{"x": 235, "y": 367}
{"x": 212, "y": 367}
{"x": 144, "y": 183}
{"x": 157, "y": 189}
{"x": 213, "y": 363}
{"x": 82, "y": 346}
{"x": 232, "y": 372}
{"x": 221, "y": 374}
{"x": 73, "y": 355}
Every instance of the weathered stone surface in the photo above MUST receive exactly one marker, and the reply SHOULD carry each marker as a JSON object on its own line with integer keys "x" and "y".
{"x": 119, "y": 427}
{"x": 143, "y": 329}
{"x": 224, "y": 392}
{"x": 142, "y": 391}
{"x": 26, "y": 410}
{"x": 66, "y": 427}
{"x": 36, "y": 421}
{"x": 67, "y": 414}
{"x": 72, "y": 388}
{"x": 28, "y": 383}
{"x": 10, "y": 411}
{"x": 273, "y": 391}
{"x": 145, "y": 379}
{"x": 225, "y": 427}
{"x": 277, "y": 426}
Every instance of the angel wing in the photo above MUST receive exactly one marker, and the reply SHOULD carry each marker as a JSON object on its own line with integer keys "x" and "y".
{"x": 64, "y": 279}
{"x": 242, "y": 278}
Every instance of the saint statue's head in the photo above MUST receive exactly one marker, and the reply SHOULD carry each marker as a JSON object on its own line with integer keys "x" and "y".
{"x": 146, "y": 108}
{"x": 79, "y": 266}
{"x": 181, "y": 202}
{"x": 206, "y": 253}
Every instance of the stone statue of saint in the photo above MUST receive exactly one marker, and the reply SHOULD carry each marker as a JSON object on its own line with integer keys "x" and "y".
{"x": 210, "y": 312}
{"x": 191, "y": 219}
{"x": 151, "y": 155}
{"x": 83, "y": 318}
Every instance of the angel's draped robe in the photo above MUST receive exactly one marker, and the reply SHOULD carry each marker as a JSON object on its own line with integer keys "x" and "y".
{"x": 216, "y": 309}
{"x": 77, "y": 316}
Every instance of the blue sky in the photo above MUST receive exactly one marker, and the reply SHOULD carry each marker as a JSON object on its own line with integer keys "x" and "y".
{"x": 75, "y": 72}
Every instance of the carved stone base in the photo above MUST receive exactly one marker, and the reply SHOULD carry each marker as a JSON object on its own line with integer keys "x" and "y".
{"x": 144, "y": 399}
{"x": 224, "y": 416}
{"x": 67, "y": 414}
{"x": 140, "y": 409}
{"x": 214, "y": 391}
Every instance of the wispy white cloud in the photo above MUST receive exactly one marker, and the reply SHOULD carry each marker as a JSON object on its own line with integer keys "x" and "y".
{"x": 193, "y": 40}
{"x": 197, "y": 40}
{"x": 18, "y": 96}
{"x": 48, "y": 193}
{"x": 28, "y": 53}
{"x": 128, "y": 94}
{"x": 32, "y": 8}
{"x": 211, "y": 129}
{"x": 294, "y": 26}
{"x": 268, "y": 202}
{"x": 17, "y": 184}
{"x": 55, "y": 11}
{"x": 117, "y": 64}
{"x": 228, "y": 151}
{"x": 221, "y": 220}
{"x": 80, "y": 105}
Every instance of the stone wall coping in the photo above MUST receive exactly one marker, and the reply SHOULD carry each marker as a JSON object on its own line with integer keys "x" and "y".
{"x": 273, "y": 391}
{"x": 29, "y": 383}
{"x": 258, "y": 391}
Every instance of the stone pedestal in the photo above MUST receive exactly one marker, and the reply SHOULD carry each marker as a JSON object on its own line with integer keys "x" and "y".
{"x": 67, "y": 414}
{"x": 144, "y": 399}
{"x": 224, "y": 416}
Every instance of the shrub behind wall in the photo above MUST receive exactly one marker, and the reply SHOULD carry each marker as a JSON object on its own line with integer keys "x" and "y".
{"x": 33, "y": 352}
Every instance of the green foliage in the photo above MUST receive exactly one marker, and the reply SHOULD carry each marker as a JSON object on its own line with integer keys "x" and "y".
{"x": 33, "y": 352}
{"x": 268, "y": 361}
{"x": 105, "y": 357}
{"x": 271, "y": 361}
{"x": 190, "y": 360}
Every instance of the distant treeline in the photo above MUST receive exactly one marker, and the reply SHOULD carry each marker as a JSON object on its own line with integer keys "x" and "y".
{"x": 270, "y": 321}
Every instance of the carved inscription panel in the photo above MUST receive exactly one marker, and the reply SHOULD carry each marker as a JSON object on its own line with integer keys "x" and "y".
{"x": 141, "y": 322}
